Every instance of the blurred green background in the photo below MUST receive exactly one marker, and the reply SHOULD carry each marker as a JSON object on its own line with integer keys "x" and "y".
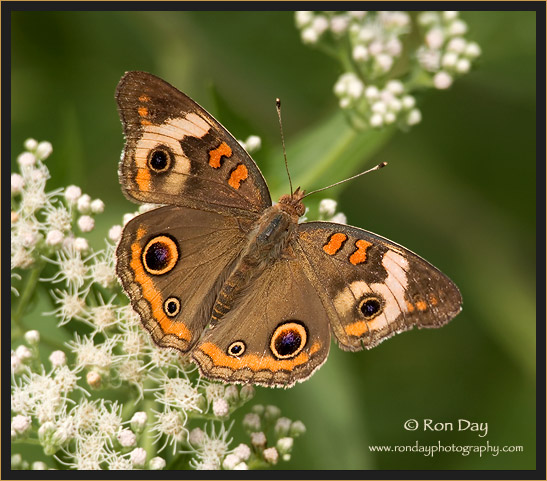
{"x": 459, "y": 190}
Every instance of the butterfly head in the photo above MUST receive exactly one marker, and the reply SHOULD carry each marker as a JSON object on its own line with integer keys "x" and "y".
{"x": 292, "y": 203}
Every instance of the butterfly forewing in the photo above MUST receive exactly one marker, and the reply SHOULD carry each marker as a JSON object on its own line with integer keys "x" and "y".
{"x": 176, "y": 153}
{"x": 372, "y": 287}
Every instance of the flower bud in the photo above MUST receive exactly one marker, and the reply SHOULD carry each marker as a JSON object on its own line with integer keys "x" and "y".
{"x": 32, "y": 337}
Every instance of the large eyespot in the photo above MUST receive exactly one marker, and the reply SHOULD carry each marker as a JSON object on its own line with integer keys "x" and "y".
{"x": 160, "y": 159}
{"x": 288, "y": 340}
{"x": 236, "y": 349}
{"x": 371, "y": 306}
{"x": 171, "y": 306}
{"x": 160, "y": 255}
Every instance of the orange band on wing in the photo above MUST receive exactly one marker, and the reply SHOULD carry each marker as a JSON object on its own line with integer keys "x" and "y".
{"x": 216, "y": 154}
{"x": 335, "y": 243}
{"x": 252, "y": 361}
{"x": 356, "y": 329}
{"x": 360, "y": 255}
{"x": 143, "y": 179}
{"x": 316, "y": 346}
{"x": 152, "y": 295}
{"x": 237, "y": 176}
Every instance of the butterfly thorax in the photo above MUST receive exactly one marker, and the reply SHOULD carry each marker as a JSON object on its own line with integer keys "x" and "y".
{"x": 267, "y": 242}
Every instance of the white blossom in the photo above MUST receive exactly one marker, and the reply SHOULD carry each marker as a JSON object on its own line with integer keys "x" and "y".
{"x": 86, "y": 223}
{"x": 54, "y": 238}
{"x": 97, "y": 206}
{"x": 20, "y": 424}
{"x": 72, "y": 194}
{"x": 220, "y": 407}
{"x": 32, "y": 337}
{"x": 271, "y": 455}
{"x": 258, "y": 439}
{"x": 442, "y": 80}
{"x": 26, "y": 159}
{"x": 115, "y": 233}
{"x": 242, "y": 451}
{"x": 157, "y": 463}
{"x": 127, "y": 438}
{"x": 43, "y": 150}
{"x": 17, "y": 183}
{"x": 30, "y": 144}
{"x": 463, "y": 65}
{"x": 57, "y": 358}
{"x": 414, "y": 117}
{"x": 84, "y": 204}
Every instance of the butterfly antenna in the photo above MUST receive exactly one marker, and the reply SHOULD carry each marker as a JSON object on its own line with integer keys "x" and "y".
{"x": 376, "y": 167}
{"x": 278, "y": 108}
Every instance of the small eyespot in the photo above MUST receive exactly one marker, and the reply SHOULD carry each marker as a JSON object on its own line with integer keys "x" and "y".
{"x": 171, "y": 306}
{"x": 160, "y": 255}
{"x": 160, "y": 159}
{"x": 288, "y": 340}
{"x": 370, "y": 307}
{"x": 236, "y": 349}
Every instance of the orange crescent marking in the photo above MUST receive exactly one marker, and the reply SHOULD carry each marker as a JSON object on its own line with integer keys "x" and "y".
{"x": 433, "y": 300}
{"x": 144, "y": 98}
{"x": 216, "y": 154}
{"x": 152, "y": 295}
{"x": 237, "y": 176}
{"x": 143, "y": 111}
{"x": 356, "y": 329}
{"x": 360, "y": 255}
{"x": 335, "y": 243}
{"x": 316, "y": 346}
{"x": 252, "y": 361}
{"x": 143, "y": 179}
{"x": 410, "y": 307}
{"x": 421, "y": 305}
{"x": 145, "y": 122}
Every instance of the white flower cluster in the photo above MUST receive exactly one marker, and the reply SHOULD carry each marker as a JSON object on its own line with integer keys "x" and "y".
{"x": 380, "y": 72}
{"x": 268, "y": 452}
{"x": 446, "y": 53}
{"x": 40, "y": 219}
{"x": 62, "y": 408}
{"x": 375, "y": 41}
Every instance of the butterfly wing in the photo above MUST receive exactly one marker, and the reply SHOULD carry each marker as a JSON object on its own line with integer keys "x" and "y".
{"x": 178, "y": 154}
{"x": 277, "y": 334}
{"x": 371, "y": 287}
{"x": 171, "y": 262}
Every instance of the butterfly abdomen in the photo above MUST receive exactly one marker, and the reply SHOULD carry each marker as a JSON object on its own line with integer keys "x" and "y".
{"x": 266, "y": 242}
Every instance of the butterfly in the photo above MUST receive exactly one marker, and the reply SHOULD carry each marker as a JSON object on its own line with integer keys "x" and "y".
{"x": 219, "y": 273}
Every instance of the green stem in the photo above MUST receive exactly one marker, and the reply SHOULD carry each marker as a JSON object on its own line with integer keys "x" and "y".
{"x": 147, "y": 440}
{"x": 33, "y": 441}
{"x": 29, "y": 289}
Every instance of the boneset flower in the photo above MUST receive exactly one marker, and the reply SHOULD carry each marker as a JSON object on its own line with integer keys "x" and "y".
{"x": 62, "y": 405}
{"x": 374, "y": 42}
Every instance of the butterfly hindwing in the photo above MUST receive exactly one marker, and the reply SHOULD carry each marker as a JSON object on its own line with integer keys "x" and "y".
{"x": 372, "y": 287}
{"x": 172, "y": 262}
{"x": 176, "y": 153}
{"x": 276, "y": 335}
